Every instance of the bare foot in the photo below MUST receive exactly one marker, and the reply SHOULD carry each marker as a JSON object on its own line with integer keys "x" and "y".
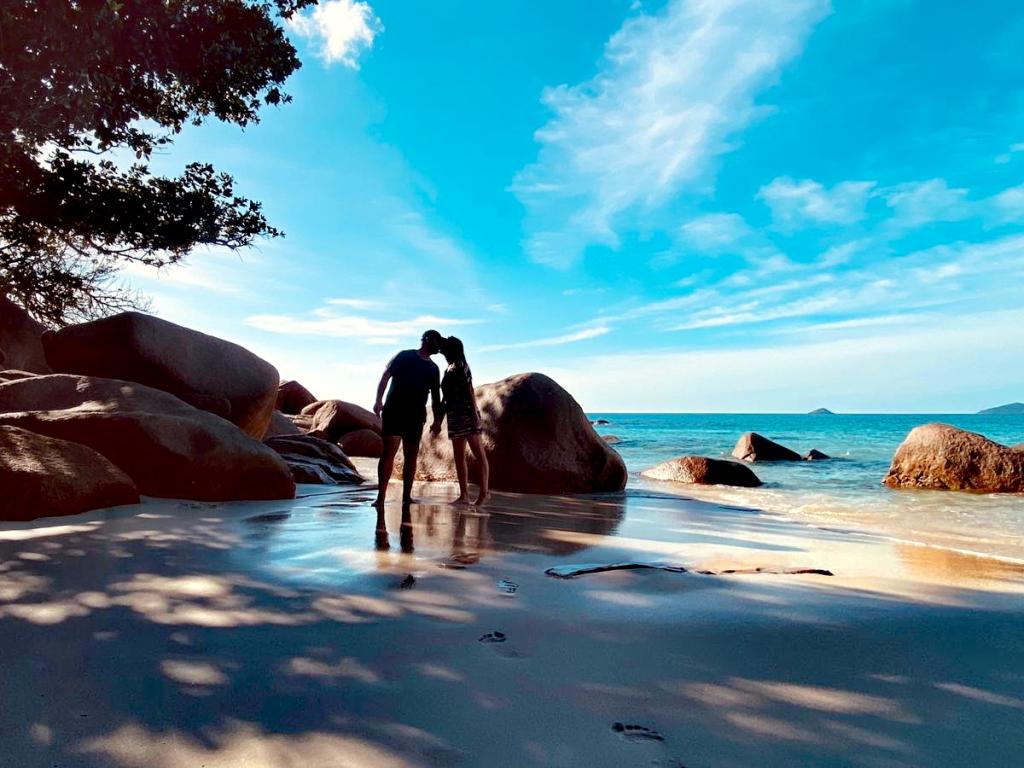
{"x": 462, "y": 501}
{"x": 482, "y": 499}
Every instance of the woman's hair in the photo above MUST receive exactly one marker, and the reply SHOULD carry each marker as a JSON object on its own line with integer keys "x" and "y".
{"x": 453, "y": 350}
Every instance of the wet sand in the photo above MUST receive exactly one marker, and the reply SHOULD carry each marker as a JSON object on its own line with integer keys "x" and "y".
{"x": 305, "y": 634}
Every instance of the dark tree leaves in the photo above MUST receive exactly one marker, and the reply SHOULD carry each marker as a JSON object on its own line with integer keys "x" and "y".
{"x": 86, "y": 84}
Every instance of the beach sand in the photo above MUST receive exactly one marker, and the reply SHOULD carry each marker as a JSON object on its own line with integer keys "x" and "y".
{"x": 296, "y": 634}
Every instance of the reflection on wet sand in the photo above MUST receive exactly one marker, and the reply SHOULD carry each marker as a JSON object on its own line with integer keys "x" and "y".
{"x": 507, "y": 525}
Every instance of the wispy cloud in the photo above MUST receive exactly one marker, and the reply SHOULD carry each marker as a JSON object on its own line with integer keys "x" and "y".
{"x": 806, "y": 202}
{"x": 343, "y": 30}
{"x": 715, "y": 232}
{"x": 331, "y": 322}
{"x": 354, "y": 303}
{"x": 552, "y": 341}
{"x": 918, "y": 203}
{"x": 670, "y": 95}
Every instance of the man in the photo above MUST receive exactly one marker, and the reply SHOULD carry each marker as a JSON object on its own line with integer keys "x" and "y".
{"x": 413, "y": 376}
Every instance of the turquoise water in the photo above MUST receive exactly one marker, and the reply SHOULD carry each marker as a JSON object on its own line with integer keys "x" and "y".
{"x": 846, "y": 491}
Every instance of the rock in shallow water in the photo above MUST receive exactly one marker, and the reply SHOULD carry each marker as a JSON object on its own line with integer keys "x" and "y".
{"x": 942, "y": 457}
{"x": 167, "y": 447}
{"x": 537, "y": 438}
{"x": 44, "y": 477}
{"x": 700, "y": 470}
{"x": 754, "y": 447}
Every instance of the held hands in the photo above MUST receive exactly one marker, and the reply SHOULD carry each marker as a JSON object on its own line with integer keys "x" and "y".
{"x": 435, "y": 428}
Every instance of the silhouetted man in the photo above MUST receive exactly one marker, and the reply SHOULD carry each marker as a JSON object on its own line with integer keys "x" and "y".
{"x": 413, "y": 376}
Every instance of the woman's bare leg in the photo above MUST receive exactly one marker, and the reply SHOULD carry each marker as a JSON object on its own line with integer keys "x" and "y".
{"x": 485, "y": 470}
{"x": 459, "y": 449}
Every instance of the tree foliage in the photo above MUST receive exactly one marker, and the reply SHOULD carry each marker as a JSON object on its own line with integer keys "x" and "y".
{"x": 89, "y": 89}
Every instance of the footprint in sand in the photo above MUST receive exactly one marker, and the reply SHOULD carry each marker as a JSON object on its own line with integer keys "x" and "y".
{"x": 269, "y": 517}
{"x": 497, "y": 640}
{"x": 636, "y": 733}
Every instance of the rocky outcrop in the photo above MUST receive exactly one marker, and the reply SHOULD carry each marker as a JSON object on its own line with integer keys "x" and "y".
{"x": 44, "y": 477}
{"x": 332, "y": 419}
{"x": 754, "y": 447}
{"x": 167, "y": 447}
{"x": 281, "y": 425}
{"x": 362, "y": 442}
{"x": 292, "y": 397}
{"x": 821, "y": 412}
{"x": 815, "y": 455}
{"x": 198, "y": 368}
{"x": 537, "y": 438}
{"x": 943, "y": 457}
{"x": 312, "y": 460}
{"x": 21, "y": 346}
{"x": 1010, "y": 409}
{"x": 700, "y": 470}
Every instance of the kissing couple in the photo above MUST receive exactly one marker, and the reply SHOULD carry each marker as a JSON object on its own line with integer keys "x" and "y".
{"x": 413, "y": 376}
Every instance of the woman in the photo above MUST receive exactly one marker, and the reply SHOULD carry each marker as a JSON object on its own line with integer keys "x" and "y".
{"x": 459, "y": 406}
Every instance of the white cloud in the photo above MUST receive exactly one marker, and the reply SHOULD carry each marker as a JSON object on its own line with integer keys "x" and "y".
{"x": 1009, "y": 203}
{"x": 715, "y": 232}
{"x": 553, "y": 341}
{"x": 343, "y": 30}
{"x": 807, "y": 202}
{"x": 354, "y": 303}
{"x": 671, "y": 93}
{"x": 329, "y": 321}
{"x": 917, "y": 203}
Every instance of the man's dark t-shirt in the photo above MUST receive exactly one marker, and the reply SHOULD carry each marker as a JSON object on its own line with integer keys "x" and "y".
{"x": 412, "y": 380}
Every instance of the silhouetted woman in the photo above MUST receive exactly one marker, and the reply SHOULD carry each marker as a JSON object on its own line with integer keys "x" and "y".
{"x": 459, "y": 407}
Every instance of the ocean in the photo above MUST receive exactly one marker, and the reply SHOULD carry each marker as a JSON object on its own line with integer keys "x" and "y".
{"x": 845, "y": 492}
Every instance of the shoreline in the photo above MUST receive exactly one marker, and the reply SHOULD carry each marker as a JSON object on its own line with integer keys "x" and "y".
{"x": 852, "y": 528}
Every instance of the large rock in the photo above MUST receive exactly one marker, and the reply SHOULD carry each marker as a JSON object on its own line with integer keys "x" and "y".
{"x": 362, "y": 442}
{"x": 754, "y": 447}
{"x": 700, "y": 470}
{"x": 44, "y": 477}
{"x": 292, "y": 397}
{"x": 537, "y": 438}
{"x": 21, "y": 345}
{"x": 281, "y": 425}
{"x": 166, "y": 446}
{"x": 943, "y": 457}
{"x": 312, "y": 460}
{"x": 203, "y": 370}
{"x": 334, "y": 418}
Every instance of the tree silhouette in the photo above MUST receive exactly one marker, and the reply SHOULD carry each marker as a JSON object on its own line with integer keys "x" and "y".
{"x": 88, "y": 90}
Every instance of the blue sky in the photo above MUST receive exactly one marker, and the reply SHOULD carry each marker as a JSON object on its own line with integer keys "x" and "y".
{"x": 723, "y": 205}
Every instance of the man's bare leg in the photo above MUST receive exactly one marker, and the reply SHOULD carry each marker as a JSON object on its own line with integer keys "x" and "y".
{"x": 411, "y": 451}
{"x": 385, "y": 466}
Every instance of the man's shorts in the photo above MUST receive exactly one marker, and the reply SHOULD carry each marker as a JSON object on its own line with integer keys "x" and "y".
{"x": 407, "y": 425}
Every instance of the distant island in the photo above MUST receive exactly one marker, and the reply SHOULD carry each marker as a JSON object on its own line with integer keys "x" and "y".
{"x": 821, "y": 412}
{"x": 1015, "y": 409}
